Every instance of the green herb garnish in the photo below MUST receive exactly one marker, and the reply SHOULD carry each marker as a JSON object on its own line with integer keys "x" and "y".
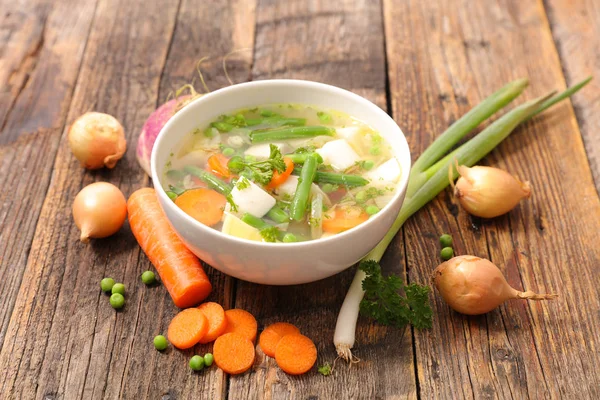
{"x": 325, "y": 369}
{"x": 384, "y": 303}
{"x": 259, "y": 171}
{"x": 270, "y": 234}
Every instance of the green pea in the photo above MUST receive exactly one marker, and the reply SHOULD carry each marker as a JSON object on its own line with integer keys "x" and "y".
{"x": 117, "y": 301}
{"x": 375, "y": 150}
{"x": 208, "y": 359}
{"x": 328, "y": 188}
{"x": 148, "y": 277}
{"x": 228, "y": 152}
{"x": 160, "y": 342}
{"x": 197, "y": 363}
{"x": 107, "y": 284}
{"x": 372, "y": 210}
{"x": 446, "y": 240}
{"x": 361, "y": 196}
{"x": 446, "y": 253}
{"x": 368, "y": 164}
{"x": 289, "y": 238}
{"x": 118, "y": 288}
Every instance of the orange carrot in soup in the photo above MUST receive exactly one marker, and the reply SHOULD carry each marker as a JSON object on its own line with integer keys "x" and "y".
{"x": 343, "y": 219}
{"x": 270, "y": 337}
{"x": 179, "y": 269}
{"x": 295, "y": 354}
{"x": 233, "y": 353}
{"x": 217, "y": 163}
{"x": 241, "y": 322}
{"x": 280, "y": 178}
{"x": 187, "y": 328}
{"x": 217, "y": 323}
{"x": 204, "y": 205}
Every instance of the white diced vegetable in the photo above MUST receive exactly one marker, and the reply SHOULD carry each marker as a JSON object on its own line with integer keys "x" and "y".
{"x": 289, "y": 186}
{"x": 251, "y": 199}
{"x": 263, "y": 151}
{"x": 236, "y": 142}
{"x": 348, "y": 133}
{"x": 388, "y": 171}
{"x": 339, "y": 154}
{"x": 234, "y": 226}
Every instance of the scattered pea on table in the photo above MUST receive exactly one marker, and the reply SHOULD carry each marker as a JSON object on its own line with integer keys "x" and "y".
{"x": 196, "y": 363}
{"x": 117, "y": 301}
{"x": 446, "y": 253}
{"x": 446, "y": 240}
{"x": 118, "y": 288}
{"x": 208, "y": 359}
{"x": 160, "y": 342}
{"x": 107, "y": 284}
{"x": 148, "y": 277}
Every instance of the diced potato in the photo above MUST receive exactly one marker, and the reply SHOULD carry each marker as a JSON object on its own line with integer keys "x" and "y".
{"x": 234, "y": 226}
{"x": 339, "y": 154}
{"x": 263, "y": 151}
{"x": 253, "y": 200}
{"x": 389, "y": 171}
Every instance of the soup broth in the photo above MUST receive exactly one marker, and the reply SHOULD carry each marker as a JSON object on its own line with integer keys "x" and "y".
{"x": 282, "y": 173}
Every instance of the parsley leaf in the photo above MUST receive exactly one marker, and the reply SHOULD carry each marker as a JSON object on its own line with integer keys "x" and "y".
{"x": 383, "y": 303}
{"x": 259, "y": 171}
{"x": 232, "y": 204}
{"x": 270, "y": 234}
{"x": 242, "y": 183}
{"x": 325, "y": 369}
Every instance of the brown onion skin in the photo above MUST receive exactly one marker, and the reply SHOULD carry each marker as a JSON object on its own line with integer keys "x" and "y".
{"x": 489, "y": 192}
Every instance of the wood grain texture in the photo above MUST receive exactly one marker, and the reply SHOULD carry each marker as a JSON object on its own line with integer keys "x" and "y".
{"x": 39, "y": 65}
{"x": 460, "y": 52}
{"x": 575, "y": 26}
{"x": 341, "y": 44}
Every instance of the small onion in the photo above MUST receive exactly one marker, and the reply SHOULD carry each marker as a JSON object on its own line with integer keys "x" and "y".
{"x": 99, "y": 210}
{"x": 97, "y": 140}
{"x": 473, "y": 285}
{"x": 488, "y": 192}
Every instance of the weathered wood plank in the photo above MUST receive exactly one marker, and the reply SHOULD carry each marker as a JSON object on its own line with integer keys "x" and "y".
{"x": 342, "y": 44}
{"x": 444, "y": 57}
{"x": 41, "y": 47}
{"x": 63, "y": 339}
{"x": 575, "y": 26}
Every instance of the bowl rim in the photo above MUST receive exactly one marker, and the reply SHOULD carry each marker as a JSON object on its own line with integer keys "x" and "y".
{"x": 189, "y": 108}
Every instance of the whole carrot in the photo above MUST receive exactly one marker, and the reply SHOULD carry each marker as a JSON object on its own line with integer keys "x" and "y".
{"x": 179, "y": 269}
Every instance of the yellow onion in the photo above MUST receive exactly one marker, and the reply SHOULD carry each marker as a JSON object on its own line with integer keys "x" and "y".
{"x": 99, "y": 210}
{"x": 97, "y": 140}
{"x": 488, "y": 192}
{"x": 473, "y": 285}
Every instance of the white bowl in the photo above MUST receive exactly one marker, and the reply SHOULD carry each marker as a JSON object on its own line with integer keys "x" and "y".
{"x": 279, "y": 263}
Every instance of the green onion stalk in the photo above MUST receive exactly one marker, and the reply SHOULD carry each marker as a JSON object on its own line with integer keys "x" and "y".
{"x": 430, "y": 175}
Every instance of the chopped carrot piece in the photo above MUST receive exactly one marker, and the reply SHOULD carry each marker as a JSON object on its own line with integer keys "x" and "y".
{"x": 272, "y": 335}
{"x": 344, "y": 219}
{"x": 187, "y": 328}
{"x": 204, "y": 205}
{"x": 295, "y": 354}
{"x": 280, "y": 178}
{"x": 233, "y": 353}
{"x": 216, "y": 321}
{"x": 179, "y": 269}
{"x": 241, "y": 322}
{"x": 217, "y": 163}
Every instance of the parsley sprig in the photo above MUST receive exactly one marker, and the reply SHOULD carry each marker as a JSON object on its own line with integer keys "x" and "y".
{"x": 259, "y": 171}
{"x": 384, "y": 303}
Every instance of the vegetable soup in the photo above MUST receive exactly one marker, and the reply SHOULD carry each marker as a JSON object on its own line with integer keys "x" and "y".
{"x": 282, "y": 173}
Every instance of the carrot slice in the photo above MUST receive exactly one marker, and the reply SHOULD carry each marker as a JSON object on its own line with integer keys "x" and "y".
{"x": 179, "y": 269}
{"x": 233, "y": 353}
{"x": 279, "y": 178}
{"x": 343, "y": 220}
{"x": 216, "y": 321}
{"x": 217, "y": 163}
{"x": 187, "y": 328}
{"x": 241, "y": 322}
{"x": 204, "y": 205}
{"x": 272, "y": 335}
{"x": 295, "y": 354}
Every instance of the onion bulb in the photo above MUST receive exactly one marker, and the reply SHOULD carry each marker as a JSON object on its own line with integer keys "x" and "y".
{"x": 473, "y": 285}
{"x": 488, "y": 192}
{"x": 99, "y": 210}
{"x": 97, "y": 140}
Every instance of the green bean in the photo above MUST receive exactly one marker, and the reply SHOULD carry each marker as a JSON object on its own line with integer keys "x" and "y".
{"x": 299, "y": 158}
{"x": 276, "y": 121}
{"x": 278, "y": 215}
{"x": 256, "y": 222}
{"x": 307, "y": 176}
{"x": 212, "y": 181}
{"x": 222, "y": 126}
{"x": 295, "y": 132}
{"x": 337, "y": 179}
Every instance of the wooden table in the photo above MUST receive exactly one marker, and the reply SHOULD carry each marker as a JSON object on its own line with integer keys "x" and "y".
{"x": 426, "y": 63}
